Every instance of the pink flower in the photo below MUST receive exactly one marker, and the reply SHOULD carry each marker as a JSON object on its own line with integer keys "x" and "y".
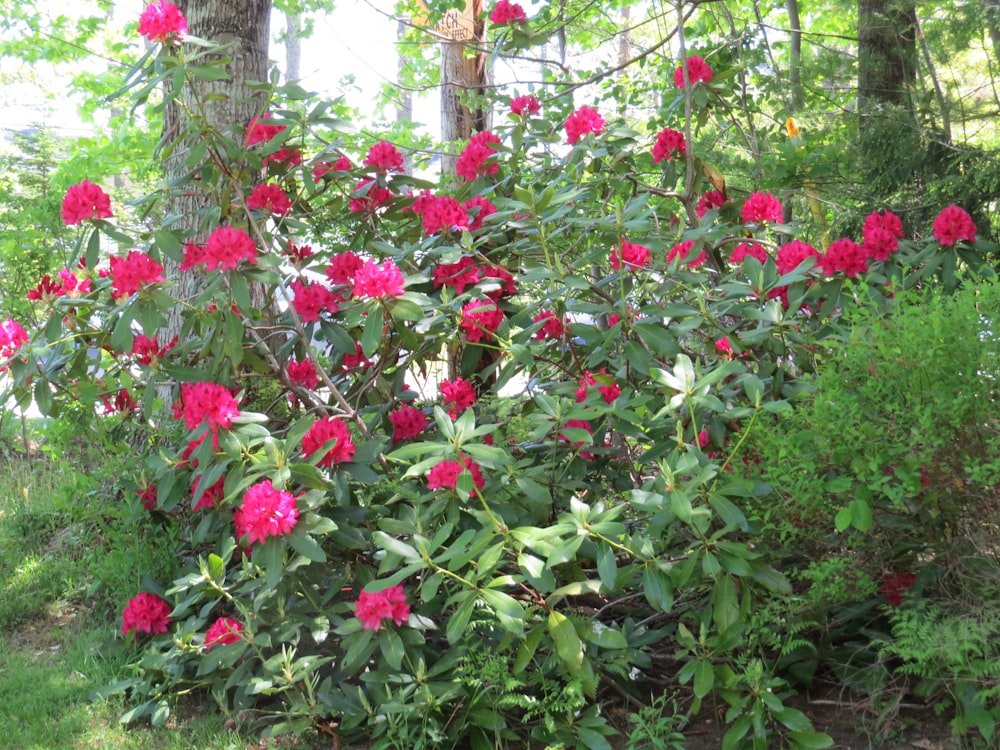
{"x": 440, "y": 213}
{"x": 12, "y": 337}
{"x": 457, "y": 395}
{"x": 297, "y": 254}
{"x": 369, "y": 196}
{"x": 744, "y": 249}
{"x": 270, "y": 198}
{"x": 356, "y": 360}
{"x": 378, "y": 281}
{"x": 578, "y": 424}
{"x": 477, "y": 209}
{"x": 525, "y": 106}
{"x": 222, "y": 632}
{"x": 260, "y": 131}
{"x": 147, "y": 351}
{"x": 698, "y": 71}
{"x": 388, "y": 604}
{"x": 384, "y": 157}
{"x": 457, "y": 275}
{"x": 310, "y": 300}
{"x": 211, "y": 496}
{"x": 342, "y": 267}
{"x": 83, "y": 202}
{"x": 303, "y": 373}
{"x": 505, "y": 12}
{"x": 132, "y": 273}
{"x": 480, "y": 319}
{"x": 724, "y": 347}
{"x": 265, "y": 512}
{"x": 207, "y": 403}
{"x": 761, "y": 207}
{"x": 148, "y": 496}
{"x": 608, "y": 389}
{"x": 162, "y": 21}
{"x": 323, "y": 431}
{"x": 954, "y": 224}
{"x": 407, "y": 422}
{"x": 668, "y": 144}
{"x": 881, "y": 235}
{"x": 553, "y": 327}
{"x": 445, "y": 474}
{"x": 632, "y": 256}
{"x": 508, "y": 286}
{"x": 711, "y": 199}
{"x": 146, "y": 613}
{"x": 477, "y": 157}
{"x": 844, "y": 255}
{"x": 585, "y": 120}
{"x": 682, "y": 251}
{"x": 225, "y": 248}
{"x": 792, "y": 254}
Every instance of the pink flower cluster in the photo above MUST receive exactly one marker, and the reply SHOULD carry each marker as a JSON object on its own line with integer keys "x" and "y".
{"x": 12, "y": 337}
{"x": 270, "y": 198}
{"x": 464, "y": 272}
{"x": 445, "y": 474}
{"x": 324, "y": 431}
{"x": 209, "y": 497}
{"x": 132, "y": 273}
{"x": 602, "y": 382}
{"x": 388, "y": 604}
{"x": 953, "y": 225}
{"x": 792, "y": 254}
{"x": 222, "y": 632}
{"x": 384, "y": 157}
{"x": 162, "y": 21}
{"x": 630, "y": 255}
{"x": 682, "y": 252}
{"x": 477, "y": 157}
{"x": 480, "y": 319}
{"x": 343, "y": 266}
{"x": 207, "y": 403}
{"x": 711, "y": 199}
{"x": 881, "y": 235}
{"x": 378, "y": 281}
{"x": 69, "y": 285}
{"x": 146, "y": 613}
{"x": 85, "y": 202}
{"x": 265, "y": 511}
{"x": 584, "y": 121}
{"x": 895, "y": 586}
{"x": 505, "y": 12}
{"x": 525, "y": 106}
{"x": 302, "y": 373}
{"x": 457, "y": 395}
{"x": 368, "y": 196}
{"x": 553, "y": 326}
{"x": 743, "y": 249}
{"x": 698, "y": 71}
{"x": 224, "y": 249}
{"x": 147, "y": 351}
{"x": 669, "y": 143}
{"x": 407, "y": 422}
{"x": 761, "y": 207}
{"x": 312, "y": 298}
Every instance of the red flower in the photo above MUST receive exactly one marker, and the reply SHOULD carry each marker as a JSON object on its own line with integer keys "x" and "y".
{"x": 342, "y": 267}
{"x": 954, "y": 224}
{"x": 323, "y": 431}
{"x": 310, "y": 300}
{"x": 579, "y": 424}
{"x": 265, "y": 512}
{"x": 147, "y": 351}
{"x": 146, "y": 613}
{"x": 358, "y": 359}
{"x": 343, "y": 164}
{"x": 147, "y": 495}
{"x": 609, "y": 392}
{"x": 477, "y": 157}
{"x": 682, "y": 252}
{"x": 12, "y": 336}
{"x": 524, "y": 106}
{"x": 480, "y": 318}
{"x": 298, "y": 255}
{"x": 585, "y": 120}
{"x": 378, "y": 281}
{"x": 698, "y": 71}
{"x": 507, "y": 284}
{"x": 724, "y": 347}
{"x": 457, "y": 275}
{"x": 407, "y": 421}
{"x": 895, "y": 585}
{"x": 83, "y": 202}
{"x": 632, "y": 256}
{"x": 131, "y": 273}
{"x": 505, "y": 12}
{"x": 162, "y": 21}
{"x": 554, "y": 327}
{"x": 269, "y": 197}
{"x": 711, "y": 199}
{"x": 791, "y": 254}
{"x": 445, "y": 474}
{"x": 844, "y": 255}
{"x": 440, "y": 213}
{"x": 881, "y": 235}
{"x": 744, "y": 249}
{"x": 223, "y": 631}
{"x": 259, "y": 131}
{"x": 211, "y": 497}
{"x": 761, "y": 207}
{"x": 668, "y": 143}
{"x": 207, "y": 403}
{"x": 458, "y": 395}
{"x": 225, "y": 248}
{"x": 388, "y": 604}
{"x": 368, "y": 197}
{"x": 384, "y": 157}
{"x": 303, "y": 373}
{"x": 122, "y": 403}
{"x": 477, "y": 209}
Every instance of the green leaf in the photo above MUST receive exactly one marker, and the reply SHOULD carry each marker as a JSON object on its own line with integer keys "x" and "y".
{"x": 704, "y": 678}
{"x": 569, "y": 647}
{"x": 395, "y": 546}
{"x": 607, "y": 567}
{"x": 810, "y": 740}
{"x": 306, "y": 546}
{"x": 861, "y": 514}
{"x": 508, "y": 610}
{"x": 392, "y": 647}
{"x": 371, "y": 337}
{"x": 460, "y": 620}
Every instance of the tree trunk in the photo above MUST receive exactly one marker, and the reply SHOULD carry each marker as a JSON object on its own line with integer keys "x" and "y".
{"x": 887, "y": 53}
{"x": 461, "y": 74}
{"x": 293, "y": 46}
{"x": 227, "y": 107}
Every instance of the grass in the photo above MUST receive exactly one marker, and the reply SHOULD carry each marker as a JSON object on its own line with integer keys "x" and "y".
{"x": 71, "y": 552}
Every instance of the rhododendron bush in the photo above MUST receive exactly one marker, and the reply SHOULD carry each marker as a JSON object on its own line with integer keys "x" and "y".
{"x": 515, "y": 404}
